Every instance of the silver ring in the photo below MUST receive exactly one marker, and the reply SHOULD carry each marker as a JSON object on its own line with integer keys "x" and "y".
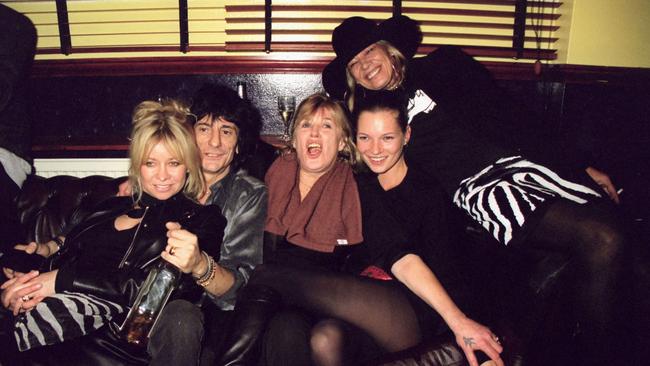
{"x": 25, "y": 298}
{"x": 171, "y": 250}
{"x": 496, "y": 339}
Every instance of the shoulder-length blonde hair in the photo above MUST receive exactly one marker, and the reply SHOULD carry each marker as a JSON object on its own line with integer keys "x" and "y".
{"x": 165, "y": 122}
{"x": 398, "y": 63}
{"x": 319, "y": 101}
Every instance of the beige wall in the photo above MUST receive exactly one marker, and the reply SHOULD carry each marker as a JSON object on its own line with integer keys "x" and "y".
{"x": 607, "y": 33}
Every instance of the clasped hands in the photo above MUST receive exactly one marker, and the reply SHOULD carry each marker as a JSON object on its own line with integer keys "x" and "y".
{"x": 23, "y": 291}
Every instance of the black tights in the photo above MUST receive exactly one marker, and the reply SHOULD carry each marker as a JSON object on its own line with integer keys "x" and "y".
{"x": 593, "y": 239}
{"x": 379, "y": 308}
{"x": 294, "y": 338}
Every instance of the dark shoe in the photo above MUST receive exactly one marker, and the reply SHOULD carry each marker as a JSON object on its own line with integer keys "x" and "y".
{"x": 256, "y": 304}
{"x": 440, "y": 351}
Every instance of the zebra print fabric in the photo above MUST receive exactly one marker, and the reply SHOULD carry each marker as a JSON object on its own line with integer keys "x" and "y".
{"x": 61, "y": 317}
{"x": 503, "y": 195}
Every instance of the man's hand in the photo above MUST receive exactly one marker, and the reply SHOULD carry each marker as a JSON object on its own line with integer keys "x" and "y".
{"x": 604, "y": 182}
{"x": 41, "y": 249}
{"x": 125, "y": 189}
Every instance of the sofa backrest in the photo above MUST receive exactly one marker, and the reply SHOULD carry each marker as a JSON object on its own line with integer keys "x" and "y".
{"x": 46, "y": 205}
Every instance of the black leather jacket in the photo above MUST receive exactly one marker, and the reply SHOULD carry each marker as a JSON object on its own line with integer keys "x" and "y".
{"x": 118, "y": 279}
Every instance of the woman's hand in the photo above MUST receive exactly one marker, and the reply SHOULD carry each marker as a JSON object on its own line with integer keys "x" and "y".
{"x": 124, "y": 189}
{"x": 603, "y": 180}
{"x": 22, "y": 293}
{"x": 183, "y": 250}
{"x": 472, "y": 336}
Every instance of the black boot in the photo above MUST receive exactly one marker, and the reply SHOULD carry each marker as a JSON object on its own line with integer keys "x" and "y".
{"x": 255, "y": 306}
{"x": 440, "y": 351}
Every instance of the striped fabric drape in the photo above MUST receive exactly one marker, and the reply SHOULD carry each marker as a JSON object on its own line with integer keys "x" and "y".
{"x": 503, "y": 195}
{"x": 61, "y": 317}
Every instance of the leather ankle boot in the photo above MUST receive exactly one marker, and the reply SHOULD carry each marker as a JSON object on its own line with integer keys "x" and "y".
{"x": 255, "y": 306}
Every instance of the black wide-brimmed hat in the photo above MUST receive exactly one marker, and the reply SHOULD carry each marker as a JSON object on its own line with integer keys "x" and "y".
{"x": 354, "y": 34}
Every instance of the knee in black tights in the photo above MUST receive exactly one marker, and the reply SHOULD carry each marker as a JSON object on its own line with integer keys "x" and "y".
{"x": 599, "y": 238}
{"x": 589, "y": 233}
{"x": 328, "y": 342}
{"x": 379, "y": 308}
{"x": 595, "y": 240}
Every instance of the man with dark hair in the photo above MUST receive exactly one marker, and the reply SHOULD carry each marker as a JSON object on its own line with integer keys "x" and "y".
{"x": 217, "y": 102}
{"x": 226, "y": 129}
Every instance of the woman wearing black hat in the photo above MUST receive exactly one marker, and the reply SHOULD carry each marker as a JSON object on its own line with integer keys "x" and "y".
{"x": 453, "y": 112}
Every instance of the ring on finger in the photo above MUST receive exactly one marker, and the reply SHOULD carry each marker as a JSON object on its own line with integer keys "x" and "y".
{"x": 172, "y": 250}
{"x": 496, "y": 339}
{"x": 25, "y": 298}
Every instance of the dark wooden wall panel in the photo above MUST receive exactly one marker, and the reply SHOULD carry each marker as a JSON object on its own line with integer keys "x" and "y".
{"x": 96, "y": 110}
{"x": 83, "y": 109}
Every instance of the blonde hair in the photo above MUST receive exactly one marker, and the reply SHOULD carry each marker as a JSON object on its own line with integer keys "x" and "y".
{"x": 398, "y": 62}
{"x": 155, "y": 122}
{"x": 320, "y": 101}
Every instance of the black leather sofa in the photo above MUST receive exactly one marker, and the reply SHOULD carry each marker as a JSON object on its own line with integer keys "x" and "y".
{"x": 48, "y": 206}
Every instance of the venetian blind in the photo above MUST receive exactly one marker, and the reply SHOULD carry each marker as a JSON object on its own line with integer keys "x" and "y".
{"x": 482, "y": 27}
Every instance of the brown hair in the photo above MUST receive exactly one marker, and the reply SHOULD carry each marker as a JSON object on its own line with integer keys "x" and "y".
{"x": 316, "y": 102}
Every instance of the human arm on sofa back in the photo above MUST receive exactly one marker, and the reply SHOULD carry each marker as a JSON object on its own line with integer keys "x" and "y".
{"x": 49, "y": 207}
{"x": 52, "y": 206}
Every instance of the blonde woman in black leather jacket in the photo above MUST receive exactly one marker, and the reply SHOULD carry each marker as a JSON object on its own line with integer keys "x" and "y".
{"x": 108, "y": 255}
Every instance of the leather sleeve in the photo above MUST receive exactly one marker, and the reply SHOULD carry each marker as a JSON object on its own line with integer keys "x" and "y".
{"x": 119, "y": 286}
{"x": 242, "y": 242}
{"x": 122, "y": 285}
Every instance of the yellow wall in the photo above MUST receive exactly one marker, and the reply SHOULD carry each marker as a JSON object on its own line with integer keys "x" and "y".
{"x": 608, "y": 33}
